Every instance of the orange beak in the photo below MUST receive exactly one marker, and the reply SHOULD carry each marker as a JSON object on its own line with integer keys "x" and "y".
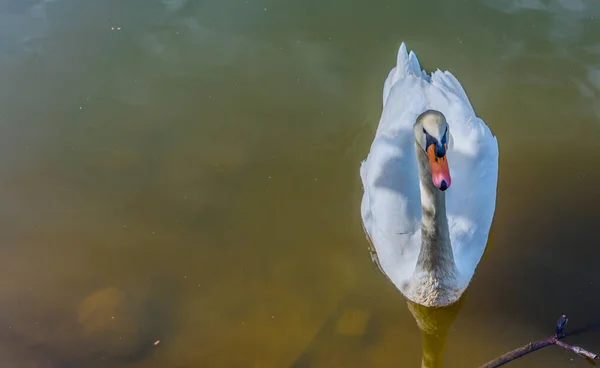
{"x": 440, "y": 174}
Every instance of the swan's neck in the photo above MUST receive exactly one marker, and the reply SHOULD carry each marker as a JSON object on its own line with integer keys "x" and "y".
{"x": 435, "y": 277}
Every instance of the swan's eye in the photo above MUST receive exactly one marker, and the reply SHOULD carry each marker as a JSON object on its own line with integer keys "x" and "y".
{"x": 429, "y": 140}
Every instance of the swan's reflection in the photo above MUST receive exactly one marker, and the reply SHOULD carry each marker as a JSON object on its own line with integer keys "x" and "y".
{"x": 434, "y": 324}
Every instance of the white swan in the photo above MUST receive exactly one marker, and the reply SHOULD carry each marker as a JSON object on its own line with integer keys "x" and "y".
{"x": 429, "y": 184}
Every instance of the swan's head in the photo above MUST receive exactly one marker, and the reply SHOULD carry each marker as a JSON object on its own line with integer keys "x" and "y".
{"x": 432, "y": 134}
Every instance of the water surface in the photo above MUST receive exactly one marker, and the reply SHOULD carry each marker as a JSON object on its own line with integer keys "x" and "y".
{"x": 179, "y": 181}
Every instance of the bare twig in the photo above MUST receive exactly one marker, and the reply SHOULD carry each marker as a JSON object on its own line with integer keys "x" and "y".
{"x": 533, "y": 346}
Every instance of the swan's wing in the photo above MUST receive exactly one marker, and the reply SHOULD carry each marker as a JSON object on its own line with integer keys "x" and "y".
{"x": 391, "y": 204}
{"x": 473, "y": 162}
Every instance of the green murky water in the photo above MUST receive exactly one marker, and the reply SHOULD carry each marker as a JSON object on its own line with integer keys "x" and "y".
{"x": 179, "y": 181}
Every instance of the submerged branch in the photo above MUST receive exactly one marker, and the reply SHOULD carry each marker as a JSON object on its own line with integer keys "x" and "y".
{"x": 536, "y": 345}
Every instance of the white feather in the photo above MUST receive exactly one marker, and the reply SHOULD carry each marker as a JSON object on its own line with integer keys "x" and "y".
{"x": 391, "y": 205}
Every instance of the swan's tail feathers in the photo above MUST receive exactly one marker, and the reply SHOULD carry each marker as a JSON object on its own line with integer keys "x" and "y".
{"x": 402, "y": 57}
{"x": 413, "y": 66}
{"x": 407, "y": 63}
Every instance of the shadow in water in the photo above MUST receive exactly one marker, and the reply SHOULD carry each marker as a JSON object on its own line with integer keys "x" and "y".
{"x": 110, "y": 327}
{"x": 434, "y": 324}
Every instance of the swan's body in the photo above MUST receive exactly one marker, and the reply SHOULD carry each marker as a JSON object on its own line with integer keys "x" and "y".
{"x": 428, "y": 241}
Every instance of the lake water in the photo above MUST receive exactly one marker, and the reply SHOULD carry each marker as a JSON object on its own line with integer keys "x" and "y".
{"x": 179, "y": 181}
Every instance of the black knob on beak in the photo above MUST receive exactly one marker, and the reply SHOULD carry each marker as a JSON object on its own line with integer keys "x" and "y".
{"x": 440, "y": 151}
